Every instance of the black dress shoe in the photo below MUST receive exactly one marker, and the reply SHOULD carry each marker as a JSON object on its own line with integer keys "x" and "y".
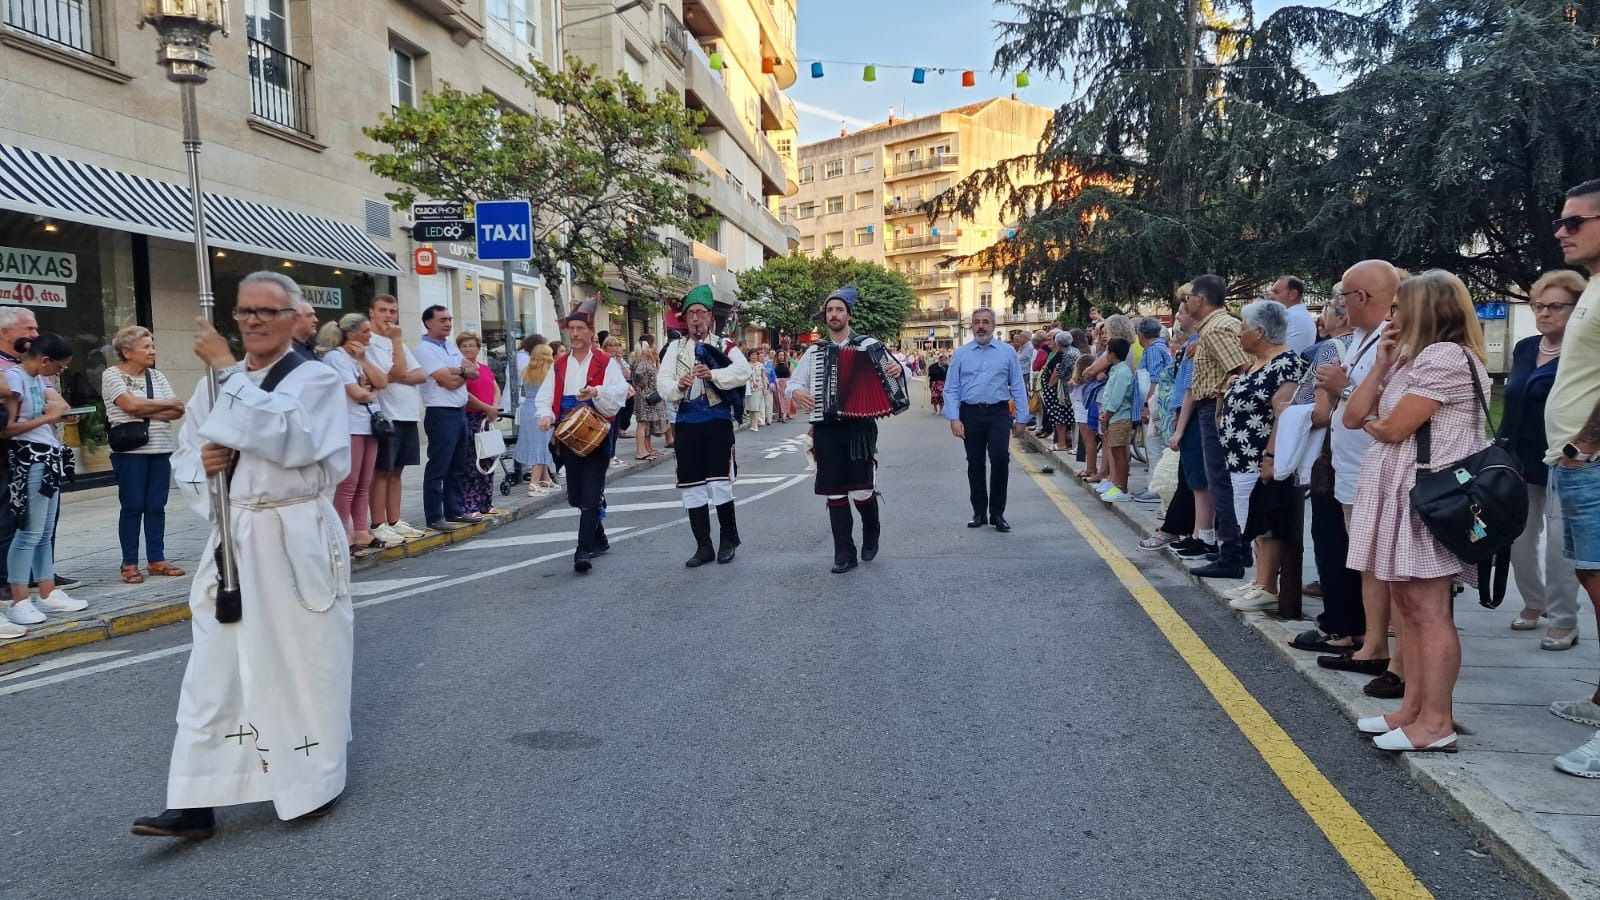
{"x": 320, "y": 811}
{"x": 978, "y": 521}
{"x": 1351, "y": 664}
{"x": 843, "y": 565}
{"x": 1387, "y": 686}
{"x": 1218, "y": 569}
{"x": 465, "y": 519}
{"x": 189, "y": 824}
{"x": 65, "y": 582}
{"x": 1001, "y": 525}
{"x": 581, "y": 563}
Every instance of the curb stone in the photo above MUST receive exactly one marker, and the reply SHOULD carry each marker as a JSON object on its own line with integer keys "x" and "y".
{"x": 1512, "y": 840}
{"x": 169, "y": 611}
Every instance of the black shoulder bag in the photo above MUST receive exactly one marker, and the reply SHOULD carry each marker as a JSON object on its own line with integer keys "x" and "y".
{"x": 1476, "y": 507}
{"x": 125, "y": 437}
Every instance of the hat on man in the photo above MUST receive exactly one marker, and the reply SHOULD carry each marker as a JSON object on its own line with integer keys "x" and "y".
{"x": 700, "y": 296}
{"x": 847, "y": 294}
{"x": 584, "y": 312}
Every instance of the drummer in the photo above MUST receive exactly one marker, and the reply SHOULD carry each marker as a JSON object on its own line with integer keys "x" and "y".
{"x": 583, "y": 378}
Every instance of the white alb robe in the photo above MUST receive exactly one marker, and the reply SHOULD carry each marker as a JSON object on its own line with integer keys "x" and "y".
{"x": 264, "y": 713}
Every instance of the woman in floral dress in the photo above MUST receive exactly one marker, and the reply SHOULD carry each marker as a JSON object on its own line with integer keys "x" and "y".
{"x": 649, "y": 418}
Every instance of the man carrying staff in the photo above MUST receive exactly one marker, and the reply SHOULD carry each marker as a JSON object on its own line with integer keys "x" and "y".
{"x": 264, "y": 713}
{"x": 702, "y": 375}
{"x": 583, "y": 377}
{"x": 846, "y": 448}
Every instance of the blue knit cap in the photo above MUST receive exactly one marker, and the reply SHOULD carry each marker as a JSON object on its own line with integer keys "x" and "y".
{"x": 847, "y": 294}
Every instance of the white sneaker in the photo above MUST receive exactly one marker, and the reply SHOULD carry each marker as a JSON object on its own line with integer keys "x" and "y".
{"x": 1256, "y": 600}
{"x": 1240, "y": 591}
{"x": 386, "y": 535}
{"x": 10, "y": 629}
{"x": 406, "y": 529}
{"x": 1100, "y": 487}
{"x": 1116, "y": 495}
{"x": 24, "y": 613}
{"x": 59, "y": 602}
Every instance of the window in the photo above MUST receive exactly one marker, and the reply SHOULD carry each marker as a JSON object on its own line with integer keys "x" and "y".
{"x": 941, "y": 186}
{"x": 939, "y": 150}
{"x": 808, "y": 174}
{"x": 280, "y": 85}
{"x": 512, "y": 27}
{"x": 986, "y": 294}
{"x": 863, "y": 199}
{"x": 68, "y": 23}
{"x": 913, "y": 155}
{"x": 833, "y": 168}
{"x": 402, "y": 79}
{"x": 863, "y": 236}
{"x": 863, "y": 163}
{"x": 786, "y": 148}
{"x": 808, "y": 209}
{"x": 835, "y": 240}
{"x": 808, "y": 244}
{"x": 834, "y": 205}
{"x": 633, "y": 65}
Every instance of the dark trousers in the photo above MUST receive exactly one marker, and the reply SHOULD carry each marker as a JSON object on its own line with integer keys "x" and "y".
{"x": 8, "y": 521}
{"x": 586, "y": 488}
{"x": 988, "y": 429}
{"x": 1180, "y": 512}
{"x": 1342, "y": 612}
{"x": 448, "y": 443}
{"x": 143, "y": 481}
{"x": 1229, "y": 538}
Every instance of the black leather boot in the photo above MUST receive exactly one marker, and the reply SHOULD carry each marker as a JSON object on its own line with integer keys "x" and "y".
{"x": 870, "y": 528}
{"x": 189, "y": 824}
{"x": 844, "y": 545}
{"x": 729, "y": 539}
{"x": 700, "y": 524}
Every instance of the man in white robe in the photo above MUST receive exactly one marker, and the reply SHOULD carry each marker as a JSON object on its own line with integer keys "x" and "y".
{"x": 264, "y": 712}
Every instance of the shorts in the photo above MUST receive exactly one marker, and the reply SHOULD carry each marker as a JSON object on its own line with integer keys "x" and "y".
{"x": 1119, "y": 434}
{"x": 1192, "y": 457}
{"x": 1579, "y": 490}
{"x": 400, "y": 449}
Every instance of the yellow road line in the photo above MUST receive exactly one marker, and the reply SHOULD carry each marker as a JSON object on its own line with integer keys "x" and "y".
{"x": 1372, "y": 860}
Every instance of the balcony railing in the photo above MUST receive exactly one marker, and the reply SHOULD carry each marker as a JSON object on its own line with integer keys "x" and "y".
{"x": 948, "y": 314}
{"x": 899, "y": 207}
{"x": 932, "y": 279}
{"x": 679, "y": 265}
{"x": 280, "y": 87}
{"x": 926, "y": 164}
{"x": 72, "y": 24}
{"x": 923, "y": 242}
{"x": 674, "y": 38}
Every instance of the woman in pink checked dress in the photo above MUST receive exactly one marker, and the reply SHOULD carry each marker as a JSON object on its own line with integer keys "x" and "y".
{"x": 1424, "y": 375}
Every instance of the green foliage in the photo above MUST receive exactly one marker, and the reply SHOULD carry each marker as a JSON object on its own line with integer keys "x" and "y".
{"x": 603, "y": 182}
{"x": 788, "y": 291}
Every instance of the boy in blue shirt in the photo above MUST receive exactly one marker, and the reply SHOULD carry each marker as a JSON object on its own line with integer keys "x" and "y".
{"x": 1116, "y": 420}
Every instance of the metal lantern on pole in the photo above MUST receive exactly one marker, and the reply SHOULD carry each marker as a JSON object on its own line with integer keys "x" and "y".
{"x": 184, "y": 28}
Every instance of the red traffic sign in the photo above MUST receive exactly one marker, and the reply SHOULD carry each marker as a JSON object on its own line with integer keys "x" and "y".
{"x": 425, "y": 261}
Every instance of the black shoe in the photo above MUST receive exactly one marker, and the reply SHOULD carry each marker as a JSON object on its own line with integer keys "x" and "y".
{"x": 700, "y": 524}
{"x": 465, "y": 519}
{"x": 321, "y": 811}
{"x": 1001, "y": 525}
{"x": 1387, "y": 686}
{"x": 442, "y": 525}
{"x": 1351, "y": 664}
{"x": 978, "y": 520}
{"x": 188, "y": 824}
{"x": 871, "y": 528}
{"x": 728, "y": 532}
{"x": 841, "y": 566}
{"x": 1192, "y": 548}
{"x": 65, "y": 582}
{"x": 1218, "y": 569}
{"x": 581, "y": 563}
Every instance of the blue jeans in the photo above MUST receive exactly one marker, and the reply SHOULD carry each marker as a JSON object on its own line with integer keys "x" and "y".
{"x": 143, "y": 483}
{"x": 446, "y": 429}
{"x": 32, "y": 553}
{"x": 1579, "y": 490}
{"x": 1229, "y": 538}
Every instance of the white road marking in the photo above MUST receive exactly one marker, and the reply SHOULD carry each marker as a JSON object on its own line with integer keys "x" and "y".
{"x": 568, "y": 512}
{"x": 70, "y": 659}
{"x": 112, "y": 665}
{"x": 378, "y": 586}
{"x": 563, "y": 537}
{"x": 642, "y": 488}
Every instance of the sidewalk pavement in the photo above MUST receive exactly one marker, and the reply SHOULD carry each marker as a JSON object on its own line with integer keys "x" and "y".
{"x": 87, "y": 549}
{"x": 1543, "y": 823}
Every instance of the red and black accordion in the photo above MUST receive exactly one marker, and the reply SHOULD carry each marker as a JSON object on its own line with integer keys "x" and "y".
{"x": 856, "y": 383}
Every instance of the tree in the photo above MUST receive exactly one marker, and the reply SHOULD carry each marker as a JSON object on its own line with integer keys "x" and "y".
{"x": 787, "y": 292}
{"x": 603, "y": 181}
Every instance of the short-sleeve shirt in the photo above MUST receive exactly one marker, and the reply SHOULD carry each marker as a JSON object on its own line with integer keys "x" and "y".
{"x": 1217, "y": 355}
{"x": 350, "y": 373}
{"x": 1117, "y": 396}
{"x": 1302, "y": 328}
{"x": 30, "y": 391}
{"x": 1350, "y": 444}
{"x": 400, "y": 402}
{"x": 433, "y": 357}
{"x": 1576, "y": 392}
{"x": 1185, "y": 377}
{"x": 114, "y": 383}
{"x": 1247, "y": 417}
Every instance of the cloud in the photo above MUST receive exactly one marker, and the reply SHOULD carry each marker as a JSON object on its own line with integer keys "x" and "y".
{"x": 831, "y": 115}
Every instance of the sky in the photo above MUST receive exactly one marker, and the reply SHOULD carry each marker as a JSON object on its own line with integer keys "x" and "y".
{"x": 955, "y": 34}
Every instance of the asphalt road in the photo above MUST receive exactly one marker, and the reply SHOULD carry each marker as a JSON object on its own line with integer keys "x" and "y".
{"x": 973, "y": 714}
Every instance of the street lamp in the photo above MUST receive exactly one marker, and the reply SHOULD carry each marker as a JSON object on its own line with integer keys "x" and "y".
{"x": 184, "y": 28}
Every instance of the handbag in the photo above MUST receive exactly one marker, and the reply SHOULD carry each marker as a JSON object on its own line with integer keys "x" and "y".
{"x": 126, "y": 437}
{"x": 1475, "y": 507}
{"x": 490, "y": 445}
{"x": 382, "y": 425}
{"x": 1323, "y": 478}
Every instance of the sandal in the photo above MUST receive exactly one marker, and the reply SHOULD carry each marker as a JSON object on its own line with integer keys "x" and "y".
{"x": 130, "y": 575}
{"x": 359, "y": 553}
{"x": 164, "y": 568}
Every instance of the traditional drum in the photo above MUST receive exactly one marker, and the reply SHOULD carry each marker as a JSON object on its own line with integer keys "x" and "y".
{"x": 583, "y": 431}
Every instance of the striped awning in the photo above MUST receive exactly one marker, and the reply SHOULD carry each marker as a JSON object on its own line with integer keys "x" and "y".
{"x": 61, "y": 188}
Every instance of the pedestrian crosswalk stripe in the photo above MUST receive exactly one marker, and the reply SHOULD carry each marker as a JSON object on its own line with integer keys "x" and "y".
{"x": 672, "y": 486}
{"x": 560, "y": 537}
{"x": 1363, "y": 849}
{"x": 379, "y": 585}
{"x": 568, "y": 512}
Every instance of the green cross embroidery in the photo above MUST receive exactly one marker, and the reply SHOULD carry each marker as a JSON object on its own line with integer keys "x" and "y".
{"x": 309, "y": 743}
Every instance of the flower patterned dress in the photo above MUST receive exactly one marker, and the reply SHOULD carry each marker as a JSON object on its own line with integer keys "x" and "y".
{"x": 1386, "y": 537}
{"x": 652, "y": 416}
{"x": 1247, "y": 417}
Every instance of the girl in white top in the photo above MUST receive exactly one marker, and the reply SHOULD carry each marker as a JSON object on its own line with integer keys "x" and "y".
{"x": 133, "y": 390}
{"x": 343, "y": 345}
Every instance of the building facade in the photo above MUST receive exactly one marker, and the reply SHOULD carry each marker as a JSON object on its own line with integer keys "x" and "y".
{"x": 862, "y": 195}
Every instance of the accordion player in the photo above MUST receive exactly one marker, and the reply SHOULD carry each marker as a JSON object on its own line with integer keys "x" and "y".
{"x": 855, "y": 383}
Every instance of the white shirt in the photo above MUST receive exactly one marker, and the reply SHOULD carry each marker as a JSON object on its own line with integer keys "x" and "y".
{"x": 433, "y": 357}
{"x": 1350, "y": 445}
{"x": 359, "y": 417}
{"x": 1302, "y": 328}
{"x": 114, "y": 383}
{"x": 613, "y": 390}
{"x": 400, "y": 402}
{"x": 737, "y": 372}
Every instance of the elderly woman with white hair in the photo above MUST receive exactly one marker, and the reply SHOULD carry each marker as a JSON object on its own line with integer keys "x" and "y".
{"x": 1054, "y": 378}
{"x": 1249, "y": 432}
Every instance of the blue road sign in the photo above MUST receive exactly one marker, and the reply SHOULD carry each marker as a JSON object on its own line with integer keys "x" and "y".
{"x": 505, "y": 230}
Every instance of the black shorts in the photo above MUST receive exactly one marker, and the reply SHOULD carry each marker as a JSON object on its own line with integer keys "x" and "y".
{"x": 704, "y": 452}
{"x": 400, "y": 449}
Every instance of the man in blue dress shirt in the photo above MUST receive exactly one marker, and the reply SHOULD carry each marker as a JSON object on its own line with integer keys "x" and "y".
{"x": 983, "y": 387}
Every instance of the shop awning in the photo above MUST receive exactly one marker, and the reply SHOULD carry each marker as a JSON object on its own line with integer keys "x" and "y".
{"x": 61, "y": 188}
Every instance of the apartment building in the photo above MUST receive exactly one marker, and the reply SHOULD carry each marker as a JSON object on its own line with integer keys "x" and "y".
{"x": 863, "y": 195}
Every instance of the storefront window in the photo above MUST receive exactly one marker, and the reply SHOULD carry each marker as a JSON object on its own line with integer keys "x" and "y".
{"x": 490, "y": 316}
{"x": 332, "y": 291}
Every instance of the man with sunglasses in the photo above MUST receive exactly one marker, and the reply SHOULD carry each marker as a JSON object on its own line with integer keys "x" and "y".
{"x": 1572, "y": 422}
